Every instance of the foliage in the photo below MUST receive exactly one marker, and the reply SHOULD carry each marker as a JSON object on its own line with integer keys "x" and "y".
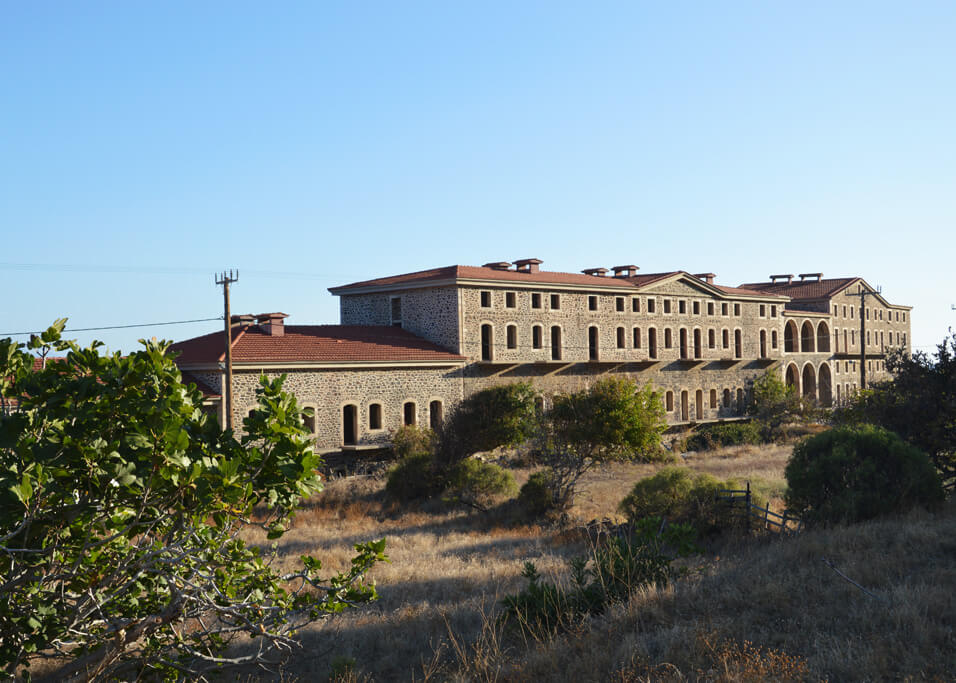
{"x": 503, "y": 415}
{"x": 477, "y": 484}
{"x": 613, "y": 419}
{"x": 537, "y": 494}
{"x": 611, "y": 574}
{"x": 121, "y": 504}
{"x": 411, "y": 440}
{"x": 852, "y": 474}
{"x": 718, "y": 435}
{"x": 413, "y": 478}
{"x": 680, "y": 495}
{"x": 919, "y": 404}
{"x": 773, "y": 404}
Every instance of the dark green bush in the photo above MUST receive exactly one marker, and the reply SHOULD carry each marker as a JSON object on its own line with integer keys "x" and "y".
{"x": 850, "y": 474}
{"x": 412, "y": 440}
{"x": 721, "y": 434}
{"x": 536, "y": 496}
{"x": 680, "y": 495}
{"x": 413, "y": 478}
{"x": 477, "y": 484}
{"x": 504, "y": 415}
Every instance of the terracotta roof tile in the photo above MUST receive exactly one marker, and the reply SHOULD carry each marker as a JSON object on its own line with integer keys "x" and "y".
{"x": 314, "y": 343}
{"x": 807, "y": 289}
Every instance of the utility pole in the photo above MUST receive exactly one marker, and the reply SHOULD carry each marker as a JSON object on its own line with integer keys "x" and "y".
{"x": 863, "y": 294}
{"x": 225, "y": 280}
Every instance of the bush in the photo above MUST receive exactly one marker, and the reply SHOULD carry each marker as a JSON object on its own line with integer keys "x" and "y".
{"x": 413, "y": 478}
{"x": 412, "y": 440}
{"x": 611, "y": 574}
{"x": 679, "y": 495}
{"x": 773, "y": 404}
{"x": 721, "y": 434}
{"x": 536, "y": 496}
{"x": 613, "y": 419}
{"x": 504, "y": 415}
{"x": 477, "y": 484}
{"x": 852, "y": 474}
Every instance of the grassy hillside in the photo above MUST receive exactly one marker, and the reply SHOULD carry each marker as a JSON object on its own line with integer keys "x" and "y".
{"x": 751, "y": 609}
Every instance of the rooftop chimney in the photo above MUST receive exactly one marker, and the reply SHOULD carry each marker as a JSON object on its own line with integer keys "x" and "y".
{"x": 815, "y": 276}
{"x": 497, "y": 265}
{"x": 706, "y": 277}
{"x": 597, "y": 272}
{"x": 527, "y": 265}
{"x": 272, "y": 324}
{"x": 788, "y": 277}
{"x": 243, "y": 319}
{"x": 624, "y": 271}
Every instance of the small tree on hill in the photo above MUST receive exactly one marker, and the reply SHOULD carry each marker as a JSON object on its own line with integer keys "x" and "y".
{"x": 773, "y": 404}
{"x": 121, "y": 507}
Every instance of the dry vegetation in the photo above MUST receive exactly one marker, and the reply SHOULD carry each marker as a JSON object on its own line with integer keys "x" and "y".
{"x": 751, "y": 610}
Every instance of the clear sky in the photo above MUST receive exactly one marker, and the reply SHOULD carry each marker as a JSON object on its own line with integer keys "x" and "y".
{"x": 146, "y": 146}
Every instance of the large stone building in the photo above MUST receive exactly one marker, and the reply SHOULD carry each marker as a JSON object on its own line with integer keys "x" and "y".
{"x": 410, "y": 346}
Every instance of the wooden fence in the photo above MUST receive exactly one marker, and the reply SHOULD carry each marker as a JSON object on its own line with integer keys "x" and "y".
{"x": 763, "y": 517}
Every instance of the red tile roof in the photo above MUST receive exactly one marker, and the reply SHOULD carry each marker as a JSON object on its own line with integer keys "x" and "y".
{"x": 807, "y": 289}
{"x": 450, "y": 273}
{"x": 314, "y": 343}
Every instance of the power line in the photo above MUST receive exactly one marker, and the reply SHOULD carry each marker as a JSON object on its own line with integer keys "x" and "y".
{"x": 162, "y": 270}
{"x": 114, "y": 327}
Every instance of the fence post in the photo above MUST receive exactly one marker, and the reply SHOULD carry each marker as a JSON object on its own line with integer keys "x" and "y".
{"x": 748, "y": 507}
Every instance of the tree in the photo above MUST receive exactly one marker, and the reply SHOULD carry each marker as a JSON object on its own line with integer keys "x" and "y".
{"x": 851, "y": 474}
{"x": 919, "y": 404}
{"x": 612, "y": 420}
{"x": 773, "y": 404}
{"x": 122, "y": 510}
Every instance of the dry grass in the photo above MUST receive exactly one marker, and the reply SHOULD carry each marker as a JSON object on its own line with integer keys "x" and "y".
{"x": 765, "y": 609}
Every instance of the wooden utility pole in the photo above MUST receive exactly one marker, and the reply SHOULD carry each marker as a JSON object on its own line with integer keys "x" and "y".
{"x": 863, "y": 294}
{"x": 225, "y": 280}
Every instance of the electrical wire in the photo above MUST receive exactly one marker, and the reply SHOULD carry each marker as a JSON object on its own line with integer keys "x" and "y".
{"x": 114, "y": 327}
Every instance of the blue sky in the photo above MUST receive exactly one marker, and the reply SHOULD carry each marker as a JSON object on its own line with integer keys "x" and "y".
{"x": 144, "y": 147}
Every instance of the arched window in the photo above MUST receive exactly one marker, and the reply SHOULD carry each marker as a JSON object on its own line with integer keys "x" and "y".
{"x": 683, "y": 343}
{"x": 668, "y": 340}
{"x": 652, "y": 342}
{"x": 308, "y": 419}
{"x": 555, "y": 342}
{"x": 823, "y": 337}
{"x": 536, "y": 337}
{"x": 726, "y": 398}
{"x": 698, "y": 351}
{"x": 349, "y": 425}
{"x": 713, "y": 399}
{"x": 487, "y": 342}
{"x": 435, "y": 414}
{"x": 375, "y": 416}
{"x": 593, "y": 343}
{"x": 668, "y": 400}
{"x": 409, "y": 414}
{"x": 738, "y": 345}
{"x": 763, "y": 343}
{"x": 511, "y": 336}
{"x": 636, "y": 333}
{"x": 773, "y": 339}
{"x": 790, "y": 337}
{"x": 725, "y": 338}
{"x": 807, "y": 336}
{"x": 621, "y": 340}
{"x": 711, "y": 339}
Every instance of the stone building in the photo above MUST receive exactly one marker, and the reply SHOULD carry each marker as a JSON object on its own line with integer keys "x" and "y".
{"x": 448, "y": 332}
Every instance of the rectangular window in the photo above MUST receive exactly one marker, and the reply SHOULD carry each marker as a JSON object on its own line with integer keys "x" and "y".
{"x": 651, "y": 306}
{"x": 375, "y": 416}
{"x": 773, "y": 311}
{"x": 555, "y": 302}
{"x": 667, "y": 305}
{"x": 592, "y": 304}
{"x": 763, "y": 311}
{"x": 486, "y": 299}
{"x": 636, "y": 306}
{"x": 668, "y": 340}
{"x": 696, "y": 308}
{"x": 682, "y": 307}
{"x": 396, "y": 311}
{"x": 620, "y": 338}
{"x": 510, "y": 300}
{"x": 511, "y": 335}
{"x": 737, "y": 310}
{"x": 536, "y": 300}
{"x": 637, "y": 337}
{"x": 710, "y": 308}
{"x": 536, "y": 336}
{"x": 619, "y": 304}
{"x": 723, "y": 309}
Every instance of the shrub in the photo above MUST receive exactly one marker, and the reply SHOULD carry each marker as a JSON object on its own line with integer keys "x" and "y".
{"x": 412, "y": 440}
{"x": 679, "y": 495}
{"x": 773, "y": 403}
{"x": 721, "y": 434}
{"x": 413, "y": 478}
{"x": 536, "y": 496}
{"x": 504, "y": 415}
{"x": 852, "y": 474}
{"x": 477, "y": 484}
{"x": 611, "y": 574}
{"x": 613, "y": 419}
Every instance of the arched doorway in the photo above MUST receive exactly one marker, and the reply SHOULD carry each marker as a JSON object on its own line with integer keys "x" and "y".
{"x": 349, "y": 425}
{"x": 823, "y": 337}
{"x": 699, "y": 400}
{"x": 793, "y": 377}
{"x": 790, "y": 337}
{"x": 809, "y": 383}
{"x": 807, "y": 336}
{"x": 826, "y": 386}
{"x": 684, "y": 406}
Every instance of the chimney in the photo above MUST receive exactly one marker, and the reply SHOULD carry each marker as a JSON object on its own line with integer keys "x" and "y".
{"x": 706, "y": 277}
{"x": 624, "y": 271}
{"x": 497, "y": 265}
{"x": 242, "y": 320}
{"x": 596, "y": 272}
{"x": 787, "y": 276}
{"x": 528, "y": 265}
{"x": 272, "y": 324}
{"x": 815, "y": 276}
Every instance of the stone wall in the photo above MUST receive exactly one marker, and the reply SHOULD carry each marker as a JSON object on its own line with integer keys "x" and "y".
{"x": 430, "y": 313}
